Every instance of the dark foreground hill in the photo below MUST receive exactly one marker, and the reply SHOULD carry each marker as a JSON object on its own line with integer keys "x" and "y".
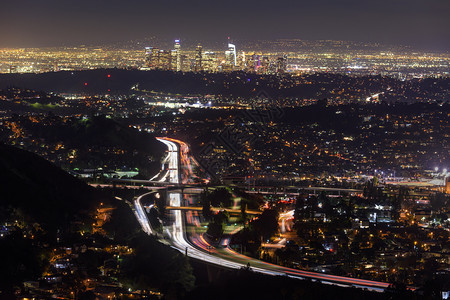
{"x": 40, "y": 192}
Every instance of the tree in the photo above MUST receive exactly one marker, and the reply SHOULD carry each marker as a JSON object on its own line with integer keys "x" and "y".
{"x": 122, "y": 225}
{"x": 221, "y": 217}
{"x": 154, "y": 265}
{"x": 21, "y": 260}
{"x": 439, "y": 201}
{"x": 267, "y": 224}
{"x": 206, "y": 205}
{"x": 252, "y": 201}
{"x": 87, "y": 295}
{"x": 215, "y": 230}
{"x": 243, "y": 213}
{"x": 220, "y": 197}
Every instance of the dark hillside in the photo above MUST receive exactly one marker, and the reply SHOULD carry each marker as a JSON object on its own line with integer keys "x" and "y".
{"x": 40, "y": 191}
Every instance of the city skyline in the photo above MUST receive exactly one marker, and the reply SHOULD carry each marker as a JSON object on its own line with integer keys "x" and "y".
{"x": 422, "y": 24}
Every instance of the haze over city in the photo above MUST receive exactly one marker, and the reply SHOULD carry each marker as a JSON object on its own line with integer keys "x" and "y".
{"x": 419, "y": 23}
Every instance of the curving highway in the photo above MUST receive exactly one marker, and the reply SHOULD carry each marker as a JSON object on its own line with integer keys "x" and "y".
{"x": 199, "y": 248}
{"x": 141, "y": 215}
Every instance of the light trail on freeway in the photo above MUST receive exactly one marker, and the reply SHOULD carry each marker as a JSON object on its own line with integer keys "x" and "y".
{"x": 141, "y": 215}
{"x": 200, "y": 249}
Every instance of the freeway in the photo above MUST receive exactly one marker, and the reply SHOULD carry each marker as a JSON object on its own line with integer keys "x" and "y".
{"x": 198, "y": 248}
{"x": 141, "y": 215}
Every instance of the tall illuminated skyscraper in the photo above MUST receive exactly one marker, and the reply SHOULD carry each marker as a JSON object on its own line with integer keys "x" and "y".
{"x": 173, "y": 61}
{"x": 148, "y": 56}
{"x": 242, "y": 61}
{"x": 177, "y": 54}
{"x": 209, "y": 61}
{"x": 164, "y": 60}
{"x": 152, "y": 57}
{"x": 230, "y": 54}
{"x": 198, "y": 59}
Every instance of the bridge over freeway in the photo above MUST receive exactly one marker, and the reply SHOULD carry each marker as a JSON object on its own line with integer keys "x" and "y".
{"x": 297, "y": 190}
{"x": 274, "y": 190}
{"x": 154, "y": 183}
{"x": 229, "y": 210}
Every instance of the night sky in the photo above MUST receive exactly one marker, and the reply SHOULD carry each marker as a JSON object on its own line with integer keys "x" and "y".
{"x": 421, "y": 23}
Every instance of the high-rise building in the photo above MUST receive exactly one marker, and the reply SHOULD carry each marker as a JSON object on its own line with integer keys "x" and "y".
{"x": 177, "y": 54}
{"x": 198, "y": 59}
{"x": 148, "y": 56}
{"x": 264, "y": 65}
{"x": 241, "y": 61}
{"x": 281, "y": 64}
{"x": 185, "y": 63}
{"x": 209, "y": 61}
{"x": 154, "y": 59}
{"x": 251, "y": 62}
{"x": 164, "y": 60}
{"x": 254, "y": 63}
{"x": 173, "y": 61}
{"x": 230, "y": 55}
